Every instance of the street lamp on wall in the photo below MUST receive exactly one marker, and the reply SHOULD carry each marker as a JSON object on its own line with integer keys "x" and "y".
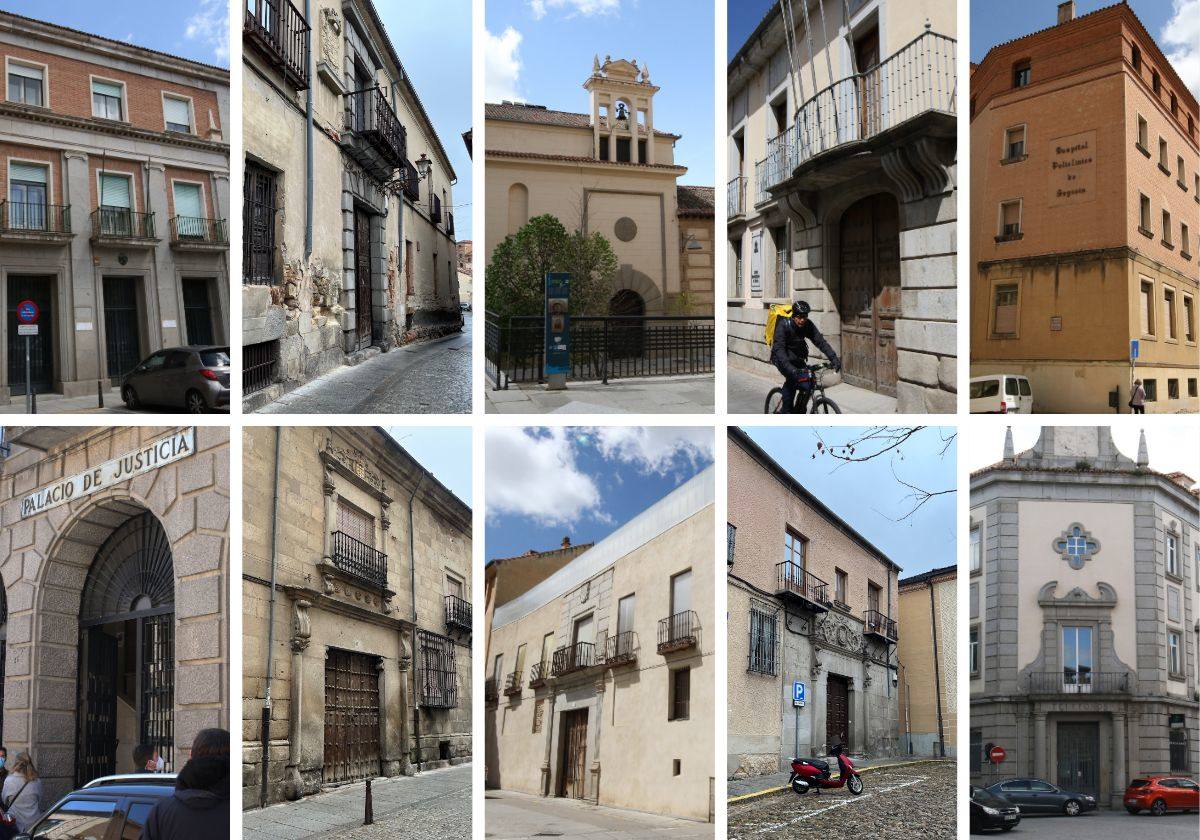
{"x": 424, "y": 167}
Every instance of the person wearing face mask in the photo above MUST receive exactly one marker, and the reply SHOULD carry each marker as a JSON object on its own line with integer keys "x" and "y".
{"x": 3, "y": 764}
{"x": 199, "y": 807}
{"x": 21, "y": 796}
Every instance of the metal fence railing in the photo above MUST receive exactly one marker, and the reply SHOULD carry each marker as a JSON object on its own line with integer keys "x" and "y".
{"x": 359, "y": 559}
{"x": 32, "y": 217}
{"x": 574, "y": 657}
{"x": 198, "y": 229}
{"x": 1072, "y": 681}
{"x": 679, "y": 631}
{"x": 793, "y": 579}
{"x": 281, "y": 33}
{"x": 876, "y": 622}
{"x": 458, "y": 612}
{"x": 121, "y": 223}
{"x": 735, "y": 194}
{"x": 620, "y": 648}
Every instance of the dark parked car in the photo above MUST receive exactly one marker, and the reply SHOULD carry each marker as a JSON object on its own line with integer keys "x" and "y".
{"x": 194, "y": 378}
{"x": 991, "y": 810}
{"x": 112, "y": 806}
{"x": 1035, "y": 796}
{"x": 1159, "y": 794}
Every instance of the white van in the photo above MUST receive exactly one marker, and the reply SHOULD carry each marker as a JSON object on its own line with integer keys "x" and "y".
{"x": 1001, "y": 393}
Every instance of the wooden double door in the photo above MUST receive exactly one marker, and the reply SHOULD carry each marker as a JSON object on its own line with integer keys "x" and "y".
{"x": 869, "y": 256}
{"x": 573, "y": 778}
{"x": 352, "y": 747}
{"x": 837, "y": 711}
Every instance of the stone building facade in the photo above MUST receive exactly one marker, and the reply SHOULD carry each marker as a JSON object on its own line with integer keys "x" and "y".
{"x": 114, "y": 554}
{"x": 362, "y": 657}
{"x": 1085, "y": 194}
{"x": 843, "y": 156}
{"x": 821, "y": 616}
{"x": 600, "y": 677}
{"x": 1082, "y": 629}
{"x": 348, "y": 230}
{"x": 608, "y": 171}
{"x": 114, "y": 194}
{"x": 928, "y": 652}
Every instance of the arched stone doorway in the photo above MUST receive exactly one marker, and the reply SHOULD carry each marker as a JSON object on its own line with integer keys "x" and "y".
{"x": 869, "y": 293}
{"x": 126, "y": 679}
{"x": 627, "y": 338}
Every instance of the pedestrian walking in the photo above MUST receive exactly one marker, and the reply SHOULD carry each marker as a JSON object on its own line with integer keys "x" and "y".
{"x": 21, "y": 797}
{"x": 1137, "y": 398}
{"x": 199, "y": 807}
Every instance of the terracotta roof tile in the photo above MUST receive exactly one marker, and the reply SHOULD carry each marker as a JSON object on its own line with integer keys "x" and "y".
{"x": 695, "y": 201}
{"x": 541, "y": 115}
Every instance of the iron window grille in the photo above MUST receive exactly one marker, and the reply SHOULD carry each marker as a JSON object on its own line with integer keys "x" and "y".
{"x": 438, "y": 672}
{"x": 260, "y": 363}
{"x": 259, "y": 189}
{"x": 681, "y": 694}
{"x": 764, "y": 640}
{"x": 730, "y": 540}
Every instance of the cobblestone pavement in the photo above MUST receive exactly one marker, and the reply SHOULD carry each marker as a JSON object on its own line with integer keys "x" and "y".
{"x": 432, "y": 377}
{"x": 913, "y": 801}
{"x": 657, "y": 394}
{"x": 757, "y": 784}
{"x": 511, "y": 816}
{"x": 747, "y": 393}
{"x": 1105, "y": 825}
{"x": 435, "y": 804}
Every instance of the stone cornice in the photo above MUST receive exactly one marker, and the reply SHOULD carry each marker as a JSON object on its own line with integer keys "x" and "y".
{"x": 1119, "y": 252}
{"x": 114, "y": 129}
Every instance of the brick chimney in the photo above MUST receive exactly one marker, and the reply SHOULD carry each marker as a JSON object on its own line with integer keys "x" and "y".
{"x": 566, "y": 543}
{"x": 1066, "y": 11}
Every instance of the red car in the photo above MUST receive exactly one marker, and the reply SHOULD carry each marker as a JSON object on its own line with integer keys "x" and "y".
{"x": 1159, "y": 794}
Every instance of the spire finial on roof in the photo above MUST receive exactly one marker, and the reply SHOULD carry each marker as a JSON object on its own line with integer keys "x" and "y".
{"x": 1143, "y": 456}
{"x": 1009, "y": 453}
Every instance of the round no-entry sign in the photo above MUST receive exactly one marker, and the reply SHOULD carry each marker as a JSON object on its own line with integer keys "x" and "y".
{"x": 997, "y": 754}
{"x": 27, "y": 312}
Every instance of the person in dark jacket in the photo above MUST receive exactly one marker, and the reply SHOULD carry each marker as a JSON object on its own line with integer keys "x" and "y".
{"x": 789, "y": 354}
{"x": 199, "y": 807}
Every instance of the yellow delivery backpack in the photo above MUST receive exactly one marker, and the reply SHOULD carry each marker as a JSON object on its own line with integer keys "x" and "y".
{"x": 774, "y": 313}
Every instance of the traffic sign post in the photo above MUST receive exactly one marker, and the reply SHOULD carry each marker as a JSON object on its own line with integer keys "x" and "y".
{"x": 798, "y": 693}
{"x": 997, "y": 754}
{"x": 27, "y": 316}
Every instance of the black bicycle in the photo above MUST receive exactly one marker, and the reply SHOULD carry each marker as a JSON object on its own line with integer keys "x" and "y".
{"x": 817, "y": 404}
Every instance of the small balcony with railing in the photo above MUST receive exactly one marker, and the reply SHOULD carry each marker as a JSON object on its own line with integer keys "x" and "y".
{"x": 435, "y": 210}
{"x": 680, "y": 631}
{"x": 1072, "y": 681}
{"x": 34, "y": 223}
{"x": 795, "y": 584}
{"x": 735, "y": 195}
{"x": 912, "y": 92}
{"x": 458, "y": 613}
{"x": 449, "y": 224}
{"x": 879, "y": 626}
{"x": 573, "y": 658}
{"x": 412, "y": 182}
{"x": 621, "y": 649}
{"x": 374, "y": 137}
{"x": 490, "y": 693}
{"x": 538, "y": 674}
{"x": 195, "y": 233}
{"x": 358, "y": 560}
{"x": 281, "y": 35}
{"x": 512, "y": 684}
{"x": 120, "y": 226}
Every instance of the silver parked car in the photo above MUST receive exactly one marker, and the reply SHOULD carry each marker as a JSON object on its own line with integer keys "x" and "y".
{"x": 195, "y": 378}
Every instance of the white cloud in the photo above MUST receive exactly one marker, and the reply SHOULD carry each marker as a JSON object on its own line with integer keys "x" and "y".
{"x": 657, "y": 449}
{"x": 1181, "y": 42}
{"x": 210, "y": 26}
{"x": 586, "y": 8}
{"x": 502, "y": 66}
{"x": 532, "y": 473}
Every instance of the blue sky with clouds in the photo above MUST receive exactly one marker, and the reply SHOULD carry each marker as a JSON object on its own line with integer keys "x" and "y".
{"x": 433, "y": 40}
{"x": 869, "y": 496}
{"x": 445, "y": 452}
{"x": 198, "y": 30}
{"x": 541, "y": 51}
{"x": 543, "y": 484}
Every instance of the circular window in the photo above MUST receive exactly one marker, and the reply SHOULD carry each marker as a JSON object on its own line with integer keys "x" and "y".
{"x": 625, "y": 228}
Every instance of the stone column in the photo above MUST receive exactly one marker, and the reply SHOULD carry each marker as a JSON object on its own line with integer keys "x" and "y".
{"x": 405, "y": 667}
{"x": 1118, "y": 773}
{"x": 80, "y": 353}
{"x": 164, "y": 308}
{"x": 548, "y": 720}
{"x": 1039, "y": 744}
{"x": 330, "y": 518}
{"x": 301, "y": 635}
{"x": 388, "y": 761}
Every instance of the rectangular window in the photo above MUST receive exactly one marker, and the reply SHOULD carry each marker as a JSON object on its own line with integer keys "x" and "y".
{"x": 1077, "y": 657}
{"x": 498, "y": 669}
{"x": 1172, "y": 542}
{"x": 1004, "y": 316}
{"x": 625, "y": 613}
{"x": 438, "y": 671}
{"x": 1178, "y": 741}
{"x": 779, "y": 237}
{"x": 26, "y": 84}
{"x": 730, "y": 542}
{"x": 1191, "y": 393}
{"x": 976, "y": 750}
{"x": 547, "y": 653}
{"x": 793, "y": 548}
{"x": 177, "y": 114}
{"x": 973, "y": 600}
{"x": 1162, "y": 153}
{"x": 1136, "y": 59}
{"x": 873, "y": 596}
{"x": 976, "y": 549}
{"x": 764, "y": 637}
{"x": 1174, "y": 653}
{"x": 1143, "y": 132}
{"x": 1014, "y": 143}
{"x": 1010, "y": 218}
{"x": 1021, "y": 74}
{"x": 258, "y": 225}
{"x": 1172, "y": 389}
{"x": 1151, "y": 386}
{"x": 1147, "y": 304}
{"x": 1185, "y": 240}
{"x": 1166, "y": 228}
{"x": 839, "y": 588}
{"x": 1189, "y": 318}
{"x": 355, "y": 523}
{"x": 681, "y": 694}
{"x": 27, "y": 195}
{"x": 189, "y": 210}
{"x": 681, "y": 592}
{"x": 974, "y": 648}
{"x": 1144, "y": 213}
{"x": 1179, "y": 170}
{"x": 1169, "y": 311}
{"x": 1174, "y": 613}
{"x": 108, "y": 100}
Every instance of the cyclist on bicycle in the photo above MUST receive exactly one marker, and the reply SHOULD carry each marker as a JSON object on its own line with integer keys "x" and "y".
{"x": 789, "y": 354}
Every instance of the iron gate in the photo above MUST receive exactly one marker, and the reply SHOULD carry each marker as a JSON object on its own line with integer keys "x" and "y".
{"x": 351, "y": 716}
{"x": 121, "y": 326}
{"x": 41, "y": 346}
{"x": 1079, "y": 757}
{"x": 98, "y": 717}
{"x": 258, "y": 225}
{"x": 574, "y": 765}
{"x": 197, "y": 310}
{"x": 362, "y": 276}
{"x": 158, "y": 683}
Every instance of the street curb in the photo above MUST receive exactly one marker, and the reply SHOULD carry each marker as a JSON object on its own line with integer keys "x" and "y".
{"x": 743, "y": 797}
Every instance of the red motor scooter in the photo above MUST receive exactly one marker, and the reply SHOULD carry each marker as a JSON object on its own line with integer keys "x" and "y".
{"x": 813, "y": 774}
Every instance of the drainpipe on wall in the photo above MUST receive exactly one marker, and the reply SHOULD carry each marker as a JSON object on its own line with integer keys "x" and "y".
{"x": 937, "y": 675}
{"x": 266, "y": 706}
{"x": 308, "y": 159}
{"x": 412, "y": 562}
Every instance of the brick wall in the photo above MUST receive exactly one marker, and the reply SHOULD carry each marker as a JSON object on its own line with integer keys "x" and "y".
{"x": 11, "y": 151}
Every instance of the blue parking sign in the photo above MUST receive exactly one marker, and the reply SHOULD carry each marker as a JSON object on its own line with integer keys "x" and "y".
{"x": 1133, "y": 348}
{"x": 798, "y": 692}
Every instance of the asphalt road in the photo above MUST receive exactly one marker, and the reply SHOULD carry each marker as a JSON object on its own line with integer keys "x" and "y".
{"x": 912, "y": 801}
{"x": 1105, "y": 825}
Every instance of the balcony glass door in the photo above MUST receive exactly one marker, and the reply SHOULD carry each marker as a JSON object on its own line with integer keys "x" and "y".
{"x": 625, "y": 625}
{"x": 115, "y": 204}
{"x": 681, "y": 592}
{"x": 189, "y": 212}
{"x": 1077, "y": 659}
{"x": 27, "y": 197}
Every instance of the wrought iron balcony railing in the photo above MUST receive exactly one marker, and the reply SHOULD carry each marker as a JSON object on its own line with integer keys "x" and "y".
{"x": 512, "y": 684}
{"x": 792, "y": 579}
{"x": 281, "y": 34}
{"x": 876, "y": 622}
{"x": 917, "y": 79}
{"x": 490, "y": 694}
{"x": 369, "y": 115}
{"x": 121, "y": 223}
{"x": 538, "y": 674}
{"x": 359, "y": 559}
{"x": 31, "y": 218}
{"x": 621, "y": 648}
{"x": 198, "y": 230}
{"x": 574, "y": 657}
{"x": 412, "y": 182}
{"x": 735, "y": 194}
{"x": 449, "y": 224}
{"x": 1070, "y": 681}
{"x": 435, "y": 210}
{"x": 458, "y": 613}
{"x": 679, "y": 631}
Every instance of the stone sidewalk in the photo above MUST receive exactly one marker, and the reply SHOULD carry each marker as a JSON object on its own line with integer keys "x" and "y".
{"x": 746, "y": 788}
{"x": 428, "y": 799}
{"x": 88, "y": 404}
{"x": 748, "y": 392}
{"x": 643, "y": 395}
{"x": 515, "y": 816}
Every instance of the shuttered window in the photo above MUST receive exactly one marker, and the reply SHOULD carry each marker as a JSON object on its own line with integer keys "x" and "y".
{"x": 115, "y": 191}
{"x": 187, "y": 200}
{"x": 681, "y": 694}
{"x": 355, "y": 523}
{"x": 1005, "y": 318}
{"x": 106, "y": 100}
{"x": 1014, "y": 145}
{"x": 1147, "y": 304}
{"x": 1010, "y": 218}
{"x": 26, "y": 85}
{"x": 28, "y": 172}
{"x": 177, "y": 115}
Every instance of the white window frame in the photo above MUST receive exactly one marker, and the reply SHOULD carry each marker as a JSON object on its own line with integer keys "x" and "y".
{"x": 975, "y": 549}
{"x": 1025, "y": 148}
{"x": 1170, "y": 304}
{"x": 179, "y": 97}
{"x": 203, "y": 196}
{"x": 1020, "y": 202}
{"x": 92, "y": 79}
{"x": 974, "y": 642}
{"x": 29, "y": 162}
{"x": 1171, "y": 551}
{"x": 1174, "y": 653}
{"x": 9, "y": 61}
{"x": 133, "y": 192}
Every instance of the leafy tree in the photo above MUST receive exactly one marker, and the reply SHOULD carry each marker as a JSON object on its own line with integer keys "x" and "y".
{"x": 516, "y": 275}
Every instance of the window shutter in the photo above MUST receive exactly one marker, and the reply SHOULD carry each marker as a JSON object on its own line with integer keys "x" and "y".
{"x": 356, "y": 524}
{"x": 1011, "y": 214}
{"x": 29, "y": 173}
{"x": 34, "y": 73}
{"x": 107, "y": 89}
{"x": 177, "y": 111}
{"x": 1006, "y": 311}
{"x": 187, "y": 200}
{"x": 114, "y": 191}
